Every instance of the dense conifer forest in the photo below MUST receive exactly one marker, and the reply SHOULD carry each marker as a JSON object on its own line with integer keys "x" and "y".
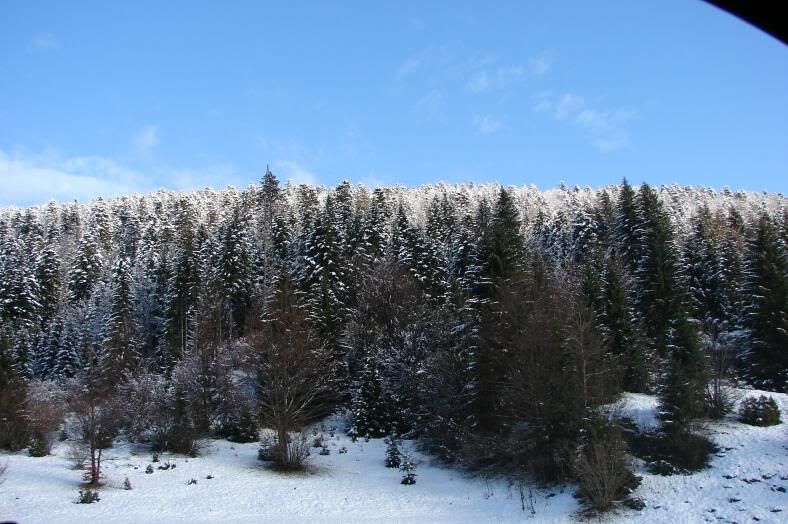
{"x": 488, "y": 323}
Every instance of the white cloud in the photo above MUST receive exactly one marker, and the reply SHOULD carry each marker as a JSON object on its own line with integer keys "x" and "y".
{"x": 145, "y": 140}
{"x": 294, "y": 172}
{"x": 45, "y": 42}
{"x": 30, "y": 179}
{"x": 607, "y": 130}
{"x": 486, "y": 124}
{"x": 34, "y": 179}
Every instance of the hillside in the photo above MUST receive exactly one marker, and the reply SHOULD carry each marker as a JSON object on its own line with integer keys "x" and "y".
{"x": 489, "y": 328}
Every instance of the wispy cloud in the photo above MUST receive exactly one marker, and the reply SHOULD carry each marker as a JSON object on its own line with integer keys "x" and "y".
{"x": 45, "y": 42}
{"x": 486, "y": 124}
{"x": 430, "y": 106}
{"x": 607, "y": 130}
{"x": 487, "y": 76}
{"x": 540, "y": 64}
{"x": 295, "y": 172}
{"x": 145, "y": 140}
{"x": 499, "y": 78}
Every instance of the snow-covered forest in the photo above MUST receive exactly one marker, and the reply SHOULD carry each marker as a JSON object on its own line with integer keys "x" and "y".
{"x": 488, "y": 325}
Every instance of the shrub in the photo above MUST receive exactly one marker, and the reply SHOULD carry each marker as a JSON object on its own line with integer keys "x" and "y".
{"x": 87, "y": 496}
{"x": 325, "y": 451}
{"x": 3, "y": 470}
{"x": 669, "y": 454}
{"x": 127, "y": 484}
{"x": 149, "y": 469}
{"x": 292, "y": 454}
{"x": 761, "y": 411}
{"x": 77, "y": 454}
{"x": 242, "y": 430}
{"x": 267, "y": 447}
{"x": 602, "y": 468}
{"x": 37, "y": 448}
{"x": 45, "y": 412}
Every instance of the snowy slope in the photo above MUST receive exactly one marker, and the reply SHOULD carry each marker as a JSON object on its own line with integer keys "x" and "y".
{"x": 747, "y": 480}
{"x": 746, "y": 483}
{"x": 351, "y": 487}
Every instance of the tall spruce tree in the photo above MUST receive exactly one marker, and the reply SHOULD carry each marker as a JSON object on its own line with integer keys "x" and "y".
{"x": 767, "y": 312}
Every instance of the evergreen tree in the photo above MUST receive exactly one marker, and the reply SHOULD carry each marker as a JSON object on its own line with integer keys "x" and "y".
{"x": 503, "y": 247}
{"x": 48, "y": 281}
{"x": 369, "y": 407}
{"x": 682, "y": 392}
{"x": 393, "y": 456}
{"x": 235, "y": 272}
{"x": 767, "y": 311}
{"x": 85, "y": 270}
{"x": 121, "y": 351}
{"x": 659, "y": 294}
{"x": 626, "y": 224}
{"x": 408, "y": 467}
{"x": 621, "y": 332}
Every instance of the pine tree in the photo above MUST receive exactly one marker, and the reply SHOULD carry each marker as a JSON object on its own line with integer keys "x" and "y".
{"x": 323, "y": 280}
{"x": 408, "y": 468}
{"x": 659, "y": 294}
{"x": 369, "y": 407}
{"x": 503, "y": 248}
{"x": 121, "y": 343}
{"x": 626, "y": 224}
{"x": 85, "y": 270}
{"x": 767, "y": 311}
{"x": 682, "y": 392}
{"x": 19, "y": 293}
{"x": 235, "y": 272}
{"x": 393, "y": 456}
{"x": 621, "y": 333}
{"x": 48, "y": 281}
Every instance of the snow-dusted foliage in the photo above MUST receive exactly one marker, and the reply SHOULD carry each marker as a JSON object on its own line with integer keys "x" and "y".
{"x": 486, "y": 321}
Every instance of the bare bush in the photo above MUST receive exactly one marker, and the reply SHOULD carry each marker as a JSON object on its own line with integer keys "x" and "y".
{"x": 719, "y": 347}
{"x": 77, "y": 454}
{"x": 602, "y": 470}
{"x": 45, "y": 413}
{"x": 157, "y": 411}
{"x": 3, "y": 471}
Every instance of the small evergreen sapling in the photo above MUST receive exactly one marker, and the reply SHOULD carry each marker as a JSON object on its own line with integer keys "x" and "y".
{"x": 407, "y": 467}
{"x": 88, "y": 496}
{"x": 393, "y": 458}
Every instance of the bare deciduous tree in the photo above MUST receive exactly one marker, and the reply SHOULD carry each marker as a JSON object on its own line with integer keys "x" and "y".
{"x": 95, "y": 424}
{"x": 293, "y": 378}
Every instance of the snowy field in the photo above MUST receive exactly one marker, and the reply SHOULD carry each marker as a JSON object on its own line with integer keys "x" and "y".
{"x": 746, "y": 483}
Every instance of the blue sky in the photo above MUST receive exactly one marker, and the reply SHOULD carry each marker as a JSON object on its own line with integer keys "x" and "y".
{"x": 106, "y": 98}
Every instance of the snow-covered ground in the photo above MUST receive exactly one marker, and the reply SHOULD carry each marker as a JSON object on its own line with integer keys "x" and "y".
{"x": 747, "y": 482}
